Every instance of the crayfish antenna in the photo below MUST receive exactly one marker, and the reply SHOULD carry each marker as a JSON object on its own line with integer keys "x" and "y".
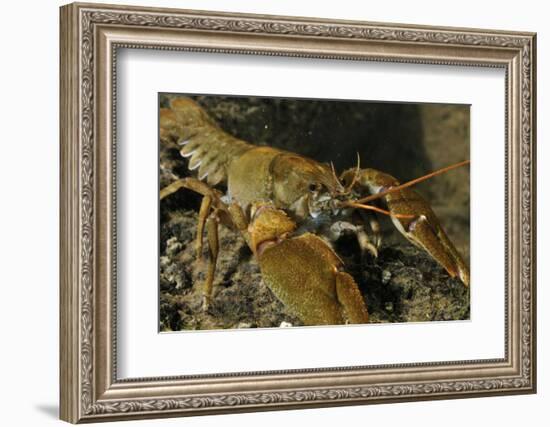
{"x": 377, "y": 209}
{"x": 412, "y": 182}
{"x": 348, "y": 189}
{"x": 335, "y": 177}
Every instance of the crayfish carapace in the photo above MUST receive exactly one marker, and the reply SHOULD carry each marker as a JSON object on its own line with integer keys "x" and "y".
{"x": 290, "y": 208}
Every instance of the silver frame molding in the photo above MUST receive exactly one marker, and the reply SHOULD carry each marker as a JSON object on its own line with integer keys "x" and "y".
{"x": 90, "y": 37}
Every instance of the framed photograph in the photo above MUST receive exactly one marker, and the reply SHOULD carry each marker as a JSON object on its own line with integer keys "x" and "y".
{"x": 266, "y": 212}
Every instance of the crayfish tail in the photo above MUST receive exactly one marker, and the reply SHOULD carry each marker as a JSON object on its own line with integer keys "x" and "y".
{"x": 208, "y": 147}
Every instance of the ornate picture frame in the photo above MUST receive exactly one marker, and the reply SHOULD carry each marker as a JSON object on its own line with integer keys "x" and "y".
{"x": 91, "y": 35}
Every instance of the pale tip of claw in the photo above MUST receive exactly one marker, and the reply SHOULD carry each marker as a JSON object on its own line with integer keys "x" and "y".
{"x": 464, "y": 278}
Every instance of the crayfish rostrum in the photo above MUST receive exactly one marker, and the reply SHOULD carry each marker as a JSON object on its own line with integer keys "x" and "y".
{"x": 291, "y": 209}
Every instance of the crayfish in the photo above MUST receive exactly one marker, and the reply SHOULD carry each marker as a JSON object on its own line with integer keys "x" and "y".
{"x": 290, "y": 209}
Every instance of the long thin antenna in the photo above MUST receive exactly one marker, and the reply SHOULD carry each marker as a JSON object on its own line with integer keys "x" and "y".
{"x": 377, "y": 209}
{"x": 355, "y": 176}
{"x": 412, "y": 182}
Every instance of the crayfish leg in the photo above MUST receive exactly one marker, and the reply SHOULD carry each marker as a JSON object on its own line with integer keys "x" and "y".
{"x": 172, "y": 188}
{"x": 339, "y": 228}
{"x": 365, "y": 243}
{"x": 370, "y": 218}
{"x": 238, "y": 217}
{"x": 213, "y": 249}
{"x": 203, "y": 216}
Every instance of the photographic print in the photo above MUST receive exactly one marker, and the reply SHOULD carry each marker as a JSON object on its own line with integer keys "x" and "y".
{"x": 279, "y": 212}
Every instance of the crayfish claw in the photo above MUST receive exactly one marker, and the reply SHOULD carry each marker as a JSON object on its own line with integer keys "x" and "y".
{"x": 414, "y": 218}
{"x": 304, "y": 273}
{"x": 350, "y": 298}
{"x": 428, "y": 235}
